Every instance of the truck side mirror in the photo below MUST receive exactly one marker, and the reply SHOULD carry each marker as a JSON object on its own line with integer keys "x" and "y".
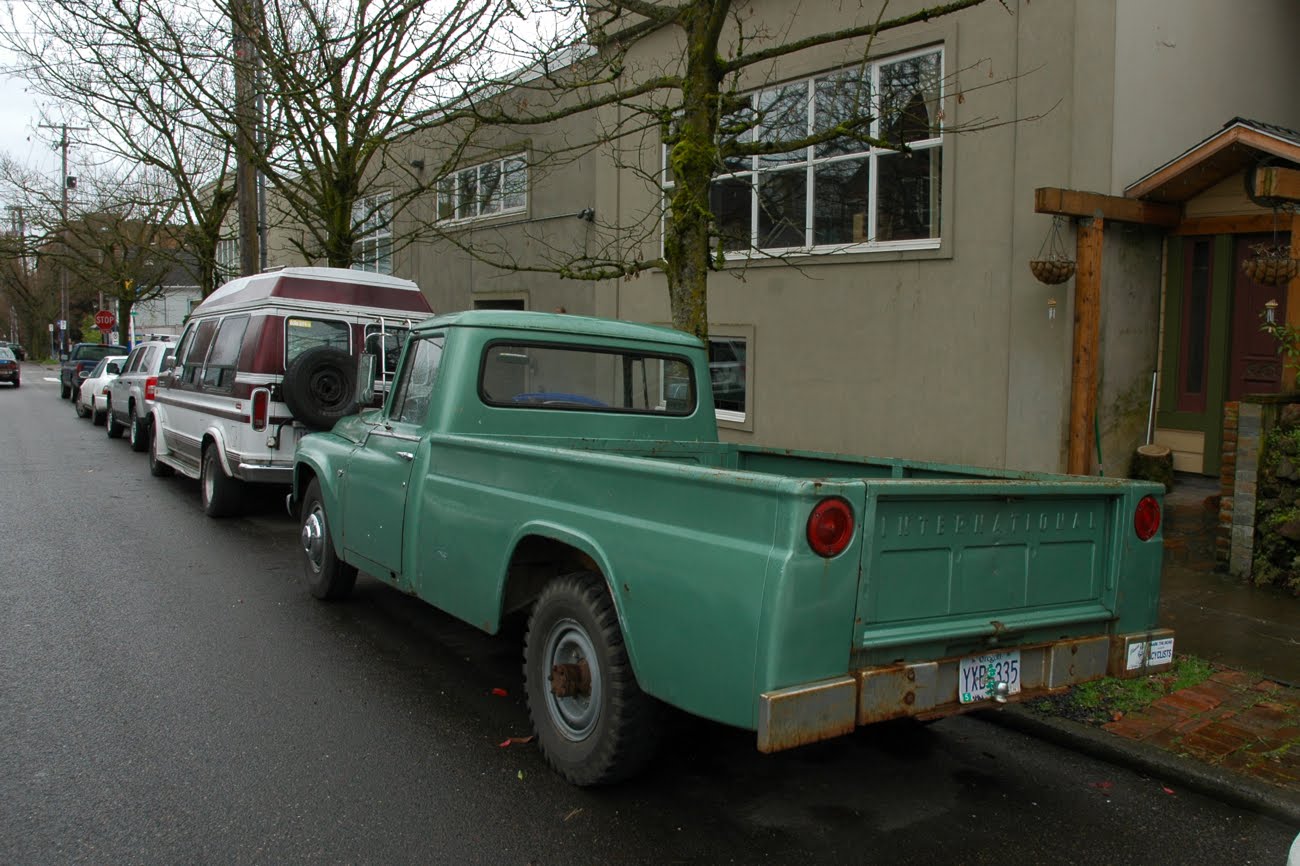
{"x": 365, "y": 380}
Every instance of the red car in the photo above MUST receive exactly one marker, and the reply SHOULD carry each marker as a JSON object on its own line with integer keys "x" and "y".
{"x": 9, "y": 370}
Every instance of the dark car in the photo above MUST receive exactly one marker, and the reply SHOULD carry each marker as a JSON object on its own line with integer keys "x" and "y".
{"x": 77, "y": 364}
{"x": 9, "y": 370}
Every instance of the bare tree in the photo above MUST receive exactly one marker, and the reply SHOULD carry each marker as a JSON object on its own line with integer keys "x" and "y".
{"x": 706, "y": 96}
{"x": 86, "y": 56}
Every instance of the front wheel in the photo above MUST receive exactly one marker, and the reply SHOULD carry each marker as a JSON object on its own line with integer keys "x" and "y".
{"x": 327, "y": 576}
{"x": 594, "y": 724}
{"x": 139, "y": 432}
{"x": 219, "y": 492}
{"x": 157, "y": 468}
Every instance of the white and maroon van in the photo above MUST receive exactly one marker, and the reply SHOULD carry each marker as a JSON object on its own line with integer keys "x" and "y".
{"x": 265, "y": 359}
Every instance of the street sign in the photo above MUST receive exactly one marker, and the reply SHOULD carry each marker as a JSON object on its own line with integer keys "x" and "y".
{"x": 105, "y": 320}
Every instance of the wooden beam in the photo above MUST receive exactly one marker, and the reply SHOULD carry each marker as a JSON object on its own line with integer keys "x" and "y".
{"x": 1292, "y": 303}
{"x": 1276, "y": 182}
{"x": 1076, "y": 203}
{"x": 1242, "y": 224}
{"x": 1087, "y": 344}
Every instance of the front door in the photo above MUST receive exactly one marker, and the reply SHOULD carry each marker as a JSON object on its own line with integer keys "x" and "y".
{"x": 1254, "y": 366}
{"x": 380, "y": 470}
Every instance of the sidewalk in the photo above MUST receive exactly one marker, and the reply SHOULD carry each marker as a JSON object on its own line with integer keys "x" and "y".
{"x": 1235, "y": 736}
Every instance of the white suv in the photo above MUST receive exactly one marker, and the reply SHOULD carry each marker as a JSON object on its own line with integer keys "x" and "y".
{"x": 131, "y": 395}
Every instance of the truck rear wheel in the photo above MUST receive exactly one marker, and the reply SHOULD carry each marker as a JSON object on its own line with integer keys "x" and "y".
{"x": 594, "y": 724}
{"x": 218, "y": 491}
{"x": 328, "y": 577}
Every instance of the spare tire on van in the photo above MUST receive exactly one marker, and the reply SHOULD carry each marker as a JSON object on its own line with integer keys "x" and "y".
{"x": 320, "y": 386}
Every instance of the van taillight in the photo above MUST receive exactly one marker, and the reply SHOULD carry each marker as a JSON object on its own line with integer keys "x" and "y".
{"x": 261, "y": 407}
{"x": 151, "y": 388}
{"x": 1146, "y": 519}
{"x": 830, "y": 527}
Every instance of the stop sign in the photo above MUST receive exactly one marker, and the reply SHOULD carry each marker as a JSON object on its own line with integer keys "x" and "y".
{"x": 105, "y": 320}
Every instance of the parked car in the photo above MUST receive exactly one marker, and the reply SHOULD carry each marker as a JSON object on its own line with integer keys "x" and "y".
{"x": 76, "y": 365}
{"x": 10, "y": 371}
{"x": 524, "y": 463}
{"x": 91, "y": 399}
{"x": 131, "y": 395}
{"x": 264, "y": 359}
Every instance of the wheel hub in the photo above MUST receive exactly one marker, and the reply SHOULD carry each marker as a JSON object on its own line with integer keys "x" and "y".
{"x": 574, "y": 696}
{"x": 313, "y": 537}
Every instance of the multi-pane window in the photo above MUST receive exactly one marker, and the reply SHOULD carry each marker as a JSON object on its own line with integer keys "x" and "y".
{"x": 859, "y": 190}
{"x": 484, "y": 190}
{"x": 373, "y": 251}
{"x": 227, "y": 260}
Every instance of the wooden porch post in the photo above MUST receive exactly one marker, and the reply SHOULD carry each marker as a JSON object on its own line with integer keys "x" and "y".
{"x": 1292, "y": 301}
{"x": 1087, "y": 344}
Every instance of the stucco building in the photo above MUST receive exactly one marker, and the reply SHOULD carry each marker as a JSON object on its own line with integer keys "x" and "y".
{"x": 872, "y": 302}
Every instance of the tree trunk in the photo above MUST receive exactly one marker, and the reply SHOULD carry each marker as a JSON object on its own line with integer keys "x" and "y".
{"x": 1153, "y": 463}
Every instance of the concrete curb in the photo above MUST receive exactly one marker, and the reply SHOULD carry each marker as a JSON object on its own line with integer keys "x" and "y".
{"x": 1178, "y": 771}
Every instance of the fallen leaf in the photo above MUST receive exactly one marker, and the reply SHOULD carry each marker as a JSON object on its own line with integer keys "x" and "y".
{"x": 1168, "y": 790}
{"x": 516, "y": 741}
{"x": 521, "y": 775}
{"x": 575, "y": 813}
{"x": 500, "y": 693}
{"x": 1117, "y": 715}
{"x": 1103, "y": 786}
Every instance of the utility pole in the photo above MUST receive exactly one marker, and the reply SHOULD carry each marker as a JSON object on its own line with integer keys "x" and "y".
{"x": 64, "y": 181}
{"x": 245, "y": 33}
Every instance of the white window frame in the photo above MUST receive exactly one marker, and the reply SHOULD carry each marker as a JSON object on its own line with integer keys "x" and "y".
{"x": 458, "y": 191}
{"x": 810, "y": 161}
{"x": 373, "y": 248}
{"x": 226, "y": 258}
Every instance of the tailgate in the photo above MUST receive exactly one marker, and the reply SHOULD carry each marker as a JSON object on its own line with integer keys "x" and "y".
{"x": 953, "y": 566}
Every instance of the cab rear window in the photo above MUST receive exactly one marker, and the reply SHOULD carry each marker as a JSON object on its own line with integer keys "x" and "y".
{"x": 566, "y": 377}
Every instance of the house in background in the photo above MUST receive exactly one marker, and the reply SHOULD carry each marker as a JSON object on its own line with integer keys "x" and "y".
{"x": 882, "y": 303}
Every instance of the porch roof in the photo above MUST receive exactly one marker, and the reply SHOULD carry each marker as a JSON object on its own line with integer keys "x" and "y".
{"x": 1239, "y": 144}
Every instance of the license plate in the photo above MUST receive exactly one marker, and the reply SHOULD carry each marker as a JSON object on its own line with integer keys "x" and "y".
{"x": 978, "y": 676}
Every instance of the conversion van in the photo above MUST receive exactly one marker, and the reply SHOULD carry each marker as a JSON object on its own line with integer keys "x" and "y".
{"x": 263, "y": 360}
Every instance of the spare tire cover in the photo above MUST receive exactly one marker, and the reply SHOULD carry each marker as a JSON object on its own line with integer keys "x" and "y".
{"x": 320, "y": 386}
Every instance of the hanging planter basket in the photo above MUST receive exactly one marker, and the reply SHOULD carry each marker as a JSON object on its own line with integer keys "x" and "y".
{"x": 1052, "y": 266}
{"x": 1052, "y": 271}
{"x": 1271, "y": 265}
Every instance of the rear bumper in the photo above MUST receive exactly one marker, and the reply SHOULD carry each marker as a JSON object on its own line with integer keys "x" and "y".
{"x": 820, "y": 710}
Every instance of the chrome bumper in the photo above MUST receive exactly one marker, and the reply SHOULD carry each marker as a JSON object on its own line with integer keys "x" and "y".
{"x": 810, "y": 712}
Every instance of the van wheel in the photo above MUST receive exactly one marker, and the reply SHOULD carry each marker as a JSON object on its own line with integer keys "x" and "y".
{"x": 219, "y": 492}
{"x": 328, "y": 577}
{"x": 139, "y": 432}
{"x": 111, "y": 425}
{"x": 157, "y": 468}
{"x": 594, "y": 724}
{"x": 320, "y": 386}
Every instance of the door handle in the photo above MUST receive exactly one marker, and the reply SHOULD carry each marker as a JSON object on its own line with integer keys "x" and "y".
{"x": 406, "y": 455}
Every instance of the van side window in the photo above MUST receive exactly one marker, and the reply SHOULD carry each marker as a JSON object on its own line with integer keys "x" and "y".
{"x": 199, "y": 351}
{"x": 183, "y": 348}
{"x": 219, "y": 372}
{"x": 411, "y": 399}
{"x": 301, "y": 334}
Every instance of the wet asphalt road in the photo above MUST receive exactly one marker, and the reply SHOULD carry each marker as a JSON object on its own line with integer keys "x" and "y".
{"x": 170, "y": 694}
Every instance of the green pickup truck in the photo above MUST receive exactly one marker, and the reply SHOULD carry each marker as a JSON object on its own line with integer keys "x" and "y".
{"x": 569, "y": 469}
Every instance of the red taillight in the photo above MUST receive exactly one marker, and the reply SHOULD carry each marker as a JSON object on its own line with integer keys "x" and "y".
{"x": 1146, "y": 519}
{"x": 150, "y": 387}
{"x": 830, "y": 527}
{"x": 261, "y": 406}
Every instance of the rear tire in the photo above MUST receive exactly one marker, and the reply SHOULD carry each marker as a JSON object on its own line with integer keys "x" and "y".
{"x": 111, "y": 426}
{"x": 599, "y": 727}
{"x": 139, "y": 432}
{"x": 328, "y": 577}
{"x": 78, "y": 407}
{"x": 65, "y": 390}
{"x": 96, "y": 417}
{"x": 219, "y": 493}
{"x": 320, "y": 386}
{"x": 157, "y": 468}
